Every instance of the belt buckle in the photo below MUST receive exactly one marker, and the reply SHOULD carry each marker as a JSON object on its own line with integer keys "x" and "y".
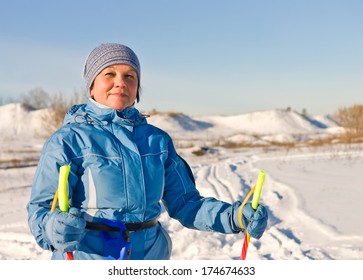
{"x": 117, "y": 248}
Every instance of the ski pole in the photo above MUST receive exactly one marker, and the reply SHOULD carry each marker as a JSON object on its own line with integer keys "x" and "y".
{"x": 255, "y": 200}
{"x": 61, "y": 195}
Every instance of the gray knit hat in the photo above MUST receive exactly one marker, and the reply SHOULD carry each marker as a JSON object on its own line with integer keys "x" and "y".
{"x": 106, "y": 55}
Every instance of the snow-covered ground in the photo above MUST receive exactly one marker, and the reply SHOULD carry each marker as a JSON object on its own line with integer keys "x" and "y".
{"x": 313, "y": 195}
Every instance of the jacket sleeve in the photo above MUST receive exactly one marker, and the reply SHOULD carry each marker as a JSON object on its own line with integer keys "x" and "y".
{"x": 45, "y": 184}
{"x": 184, "y": 202}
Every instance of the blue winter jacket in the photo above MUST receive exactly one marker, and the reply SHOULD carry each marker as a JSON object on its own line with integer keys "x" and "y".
{"x": 122, "y": 169}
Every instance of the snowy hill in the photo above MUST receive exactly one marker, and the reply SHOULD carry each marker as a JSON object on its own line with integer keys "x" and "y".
{"x": 271, "y": 122}
{"x": 271, "y": 125}
{"x": 19, "y": 121}
{"x": 21, "y": 135}
{"x": 178, "y": 122}
{"x": 261, "y": 127}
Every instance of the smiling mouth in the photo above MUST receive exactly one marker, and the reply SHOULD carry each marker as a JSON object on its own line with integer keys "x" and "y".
{"x": 118, "y": 94}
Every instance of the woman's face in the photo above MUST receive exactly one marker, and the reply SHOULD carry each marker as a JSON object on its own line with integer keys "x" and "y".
{"x": 116, "y": 86}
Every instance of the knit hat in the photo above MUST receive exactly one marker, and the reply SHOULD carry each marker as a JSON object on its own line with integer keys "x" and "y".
{"x": 106, "y": 55}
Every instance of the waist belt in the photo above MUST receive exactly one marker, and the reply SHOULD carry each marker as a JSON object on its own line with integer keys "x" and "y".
{"x": 129, "y": 226}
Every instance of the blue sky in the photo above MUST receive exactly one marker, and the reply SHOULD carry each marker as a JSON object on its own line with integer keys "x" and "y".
{"x": 197, "y": 57}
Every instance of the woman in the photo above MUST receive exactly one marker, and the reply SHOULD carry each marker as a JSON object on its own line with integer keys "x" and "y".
{"x": 121, "y": 168}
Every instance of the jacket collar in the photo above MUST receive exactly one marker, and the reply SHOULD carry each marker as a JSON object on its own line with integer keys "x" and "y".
{"x": 94, "y": 112}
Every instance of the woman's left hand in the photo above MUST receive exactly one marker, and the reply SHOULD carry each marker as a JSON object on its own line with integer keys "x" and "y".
{"x": 255, "y": 221}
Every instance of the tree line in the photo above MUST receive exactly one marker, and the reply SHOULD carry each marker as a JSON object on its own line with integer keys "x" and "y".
{"x": 351, "y": 118}
{"x": 57, "y": 106}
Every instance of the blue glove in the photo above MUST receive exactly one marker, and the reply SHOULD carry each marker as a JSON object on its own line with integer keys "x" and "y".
{"x": 255, "y": 221}
{"x": 63, "y": 230}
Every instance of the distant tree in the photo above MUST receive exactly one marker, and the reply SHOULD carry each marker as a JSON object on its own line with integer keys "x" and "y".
{"x": 36, "y": 98}
{"x": 304, "y": 112}
{"x": 351, "y": 118}
{"x": 59, "y": 105}
{"x": 288, "y": 109}
{"x": 77, "y": 97}
{"x": 80, "y": 97}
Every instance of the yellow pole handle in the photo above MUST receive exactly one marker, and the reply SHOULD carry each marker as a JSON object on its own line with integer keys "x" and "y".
{"x": 257, "y": 192}
{"x": 62, "y": 188}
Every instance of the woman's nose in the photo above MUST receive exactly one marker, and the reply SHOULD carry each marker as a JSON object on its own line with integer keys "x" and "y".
{"x": 119, "y": 81}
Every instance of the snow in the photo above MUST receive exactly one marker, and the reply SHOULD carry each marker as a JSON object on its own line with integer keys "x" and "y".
{"x": 313, "y": 194}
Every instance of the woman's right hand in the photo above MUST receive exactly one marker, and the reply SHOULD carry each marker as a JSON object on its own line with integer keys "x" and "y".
{"x": 63, "y": 230}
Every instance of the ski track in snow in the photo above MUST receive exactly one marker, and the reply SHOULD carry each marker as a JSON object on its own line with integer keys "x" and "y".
{"x": 291, "y": 233}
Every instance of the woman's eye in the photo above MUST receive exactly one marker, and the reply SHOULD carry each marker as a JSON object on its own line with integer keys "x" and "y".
{"x": 130, "y": 76}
